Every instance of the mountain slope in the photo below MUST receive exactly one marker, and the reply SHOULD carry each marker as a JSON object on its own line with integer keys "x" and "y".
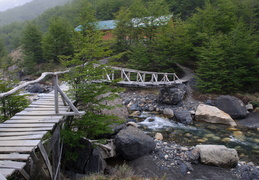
{"x": 28, "y": 11}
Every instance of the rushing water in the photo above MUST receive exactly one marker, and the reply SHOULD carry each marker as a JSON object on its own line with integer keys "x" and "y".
{"x": 245, "y": 141}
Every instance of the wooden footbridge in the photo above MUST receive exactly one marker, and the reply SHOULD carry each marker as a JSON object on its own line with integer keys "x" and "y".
{"x": 22, "y": 138}
{"x": 30, "y": 143}
{"x": 136, "y": 78}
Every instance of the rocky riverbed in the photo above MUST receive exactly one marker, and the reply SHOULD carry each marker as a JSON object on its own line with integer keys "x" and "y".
{"x": 172, "y": 160}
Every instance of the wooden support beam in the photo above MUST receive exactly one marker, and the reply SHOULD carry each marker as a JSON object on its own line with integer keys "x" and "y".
{"x": 46, "y": 158}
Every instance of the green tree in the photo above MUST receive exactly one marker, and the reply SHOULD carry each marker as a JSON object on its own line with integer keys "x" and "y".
{"x": 185, "y": 8}
{"x": 57, "y": 41}
{"x": 138, "y": 28}
{"x": 12, "y": 104}
{"x": 32, "y": 47}
{"x": 228, "y": 62}
{"x": 89, "y": 96}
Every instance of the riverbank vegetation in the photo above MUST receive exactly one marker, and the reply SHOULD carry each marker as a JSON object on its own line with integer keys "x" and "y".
{"x": 218, "y": 39}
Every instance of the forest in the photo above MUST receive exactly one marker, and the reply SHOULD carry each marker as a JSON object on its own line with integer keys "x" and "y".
{"x": 216, "y": 38}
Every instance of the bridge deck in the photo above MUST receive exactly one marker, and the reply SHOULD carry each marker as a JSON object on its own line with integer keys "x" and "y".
{"x": 21, "y": 134}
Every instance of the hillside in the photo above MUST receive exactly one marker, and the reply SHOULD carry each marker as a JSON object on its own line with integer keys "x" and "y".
{"x": 28, "y": 11}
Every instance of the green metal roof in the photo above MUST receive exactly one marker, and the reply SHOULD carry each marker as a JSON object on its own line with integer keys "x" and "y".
{"x": 106, "y": 25}
{"x": 137, "y": 22}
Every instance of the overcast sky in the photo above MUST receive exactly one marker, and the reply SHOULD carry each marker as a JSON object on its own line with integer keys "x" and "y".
{"x": 8, "y": 4}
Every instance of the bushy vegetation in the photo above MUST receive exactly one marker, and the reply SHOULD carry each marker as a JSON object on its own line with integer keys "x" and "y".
{"x": 12, "y": 104}
{"x": 219, "y": 38}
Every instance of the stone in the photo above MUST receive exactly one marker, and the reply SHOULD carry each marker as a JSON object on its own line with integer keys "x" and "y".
{"x": 36, "y": 88}
{"x": 212, "y": 114}
{"x": 210, "y": 102}
{"x": 89, "y": 159}
{"x": 169, "y": 113}
{"x": 172, "y": 95}
{"x": 249, "y": 107}
{"x": 132, "y": 124}
{"x": 135, "y": 114}
{"x": 183, "y": 116}
{"x": 226, "y": 139}
{"x": 134, "y": 107}
{"x": 132, "y": 143}
{"x": 232, "y": 106}
{"x": 159, "y": 136}
{"x": 218, "y": 155}
{"x": 194, "y": 156}
{"x": 239, "y": 135}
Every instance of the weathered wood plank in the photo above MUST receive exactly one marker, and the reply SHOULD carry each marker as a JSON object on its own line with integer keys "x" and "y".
{"x": 16, "y": 117}
{"x": 12, "y": 164}
{"x": 46, "y": 159}
{"x": 38, "y": 125}
{"x": 24, "y": 129}
{"x": 30, "y": 137}
{"x": 16, "y": 149}
{"x": 32, "y": 121}
{"x": 19, "y": 143}
{"x": 14, "y": 156}
{"x": 52, "y": 114}
{"x": 45, "y": 109}
{"x": 6, "y": 172}
{"x": 2, "y": 177}
{"x": 38, "y": 112}
{"x": 3, "y": 134}
{"x": 52, "y": 105}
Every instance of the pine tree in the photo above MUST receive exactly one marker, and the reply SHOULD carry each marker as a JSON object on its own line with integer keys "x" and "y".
{"x": 57, "y": 41}
{"x": 32, "y": 47}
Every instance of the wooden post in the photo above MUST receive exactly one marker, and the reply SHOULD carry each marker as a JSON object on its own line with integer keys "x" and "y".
{"x": 56, "y": 155}
{"x": 56, "y": 93}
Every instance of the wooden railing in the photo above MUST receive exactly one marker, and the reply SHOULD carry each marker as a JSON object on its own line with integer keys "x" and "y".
{"x": 57, "y": 91}
{"x": 131, "y": 76}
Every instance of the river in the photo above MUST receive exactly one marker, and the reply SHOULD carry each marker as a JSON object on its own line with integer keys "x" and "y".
{"x": 245, "y": 141}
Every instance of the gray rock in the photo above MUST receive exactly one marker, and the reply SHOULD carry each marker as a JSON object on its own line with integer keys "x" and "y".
{"x": 210, "y": 102}
{"x": 89, "y": 159}
{"x": 172, "y": 95}
{"x": 169, "y": 113}
{"x": 212, "y": 114}
{"x": 194, "y": 156}
{"x": 95, "y": 163}
{"x": 36, "y": 88}
{"x": 183, "y": 116}
{"x": 248, "y": 172}
{"x": 134, "y": 107}
{"x": 249, "y": 107}
{"x": 132, "y": 143}
{"x": 218, "y": 155}
{"x": 231, "y": 105}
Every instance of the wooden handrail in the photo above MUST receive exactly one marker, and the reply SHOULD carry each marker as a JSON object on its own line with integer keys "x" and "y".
{"x": 43, "y": 75}
{"x": 57, "y": 90}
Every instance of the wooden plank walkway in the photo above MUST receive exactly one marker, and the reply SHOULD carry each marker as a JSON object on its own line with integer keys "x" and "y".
{"x": 22, "y": 134}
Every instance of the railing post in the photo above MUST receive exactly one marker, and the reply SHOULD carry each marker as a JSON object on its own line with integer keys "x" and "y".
{"x": 56, "y": 93}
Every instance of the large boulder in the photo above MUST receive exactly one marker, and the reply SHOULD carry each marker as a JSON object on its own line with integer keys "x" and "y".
{"x": 169, "y": 113}
{"x": 218, "y": 155}
{"x": 89, "y": 158}
{"x": 172, "y": 95}
{"x": 183, "y": 116}
{"x": 132, "y": 143}
{"x": 231, "y": 105}
{"x": 36, "y": 88}
{"x": 212, "y": 114}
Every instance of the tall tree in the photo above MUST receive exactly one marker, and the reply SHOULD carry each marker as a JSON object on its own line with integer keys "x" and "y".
{"x": 32, "y": 46}
{"x": 57, "y": 40}
{"x": 138, "y": 27}
{"x": 228, "y": 62}
{"x": 90, "y": 96}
